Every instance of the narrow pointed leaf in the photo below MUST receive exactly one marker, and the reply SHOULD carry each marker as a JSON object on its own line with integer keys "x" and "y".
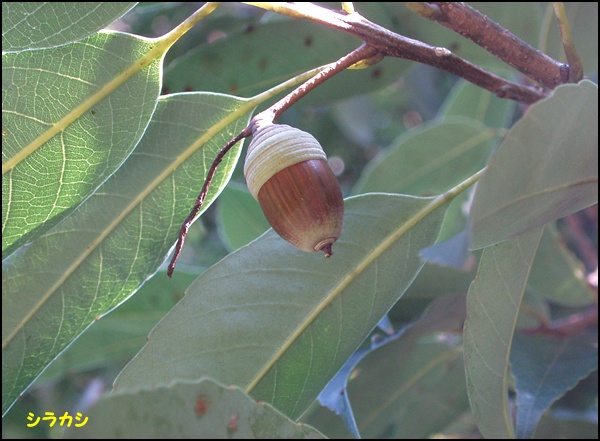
{"x": 546, "y": 168}
{"x": 200, "y": 410}
{"x": 280, "y": 322}
{"x": 101, "y": 254}
{"x": 39, "y": 25}
{"x": 493, "y": 303}
{"x": 64, "y": 130}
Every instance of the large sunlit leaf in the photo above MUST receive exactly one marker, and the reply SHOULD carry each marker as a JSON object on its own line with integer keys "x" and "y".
{"x": 193, "y": 410}
{"x": 546, "y": 168}
{"x": 70, "y": 116}
{"x": 101, "y": 254}
{"x": 545, "y": 368}
{"x": 280, "y": 322}
{"x": 493, "y": 305}
{"x": 38, "y": 25}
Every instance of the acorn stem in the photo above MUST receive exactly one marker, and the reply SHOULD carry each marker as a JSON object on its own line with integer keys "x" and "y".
{"x": 272, "y": 113}
{"x": 202, "y": 197}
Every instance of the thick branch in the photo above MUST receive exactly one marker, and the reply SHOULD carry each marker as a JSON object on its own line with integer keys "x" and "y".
{"x": 392, "y": 44}
{"x": 498, "y": 41}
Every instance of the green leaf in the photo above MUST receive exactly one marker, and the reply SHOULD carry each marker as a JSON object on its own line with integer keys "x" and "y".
{"x": 468, "y": 100}
{"x": 556, "y": 275}
{"x": 557, "y": 427}
{"x": 545, "y": 368}
{"x": 115, "y": 240}
{"x": 429, "y": 159}
{"x": 196, "y": 410}
{"x": 546, "y": 168}
{"x": 37, "y": 25}
{"x": 493, "y": 303}
{"x": 249, "y": 62}
{"x": 420, "y": 372}
{"x": 70, "y": 116}
{"x": 434, "y": 281}
{"x": 326, "y": 422}
{"x": 240, "y": 217}
{"x": 279, "y": 322}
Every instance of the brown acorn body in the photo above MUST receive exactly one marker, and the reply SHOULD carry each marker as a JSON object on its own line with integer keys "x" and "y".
{"x": 296, "y": 189}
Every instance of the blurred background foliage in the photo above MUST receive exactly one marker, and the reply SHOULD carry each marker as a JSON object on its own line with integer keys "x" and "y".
{"x": 356, "y": 117}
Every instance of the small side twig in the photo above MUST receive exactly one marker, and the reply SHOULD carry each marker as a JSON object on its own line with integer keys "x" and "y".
{"x": 576, "y": 68}
{"x": 568, "y": 326}
{"x": 427, "y": 10}
{"x": 202, "y": 197}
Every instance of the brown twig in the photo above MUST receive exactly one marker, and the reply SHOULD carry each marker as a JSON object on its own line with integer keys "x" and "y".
{"x": 498, "y": 41}
{"x": 392, "y": 44}
{"x": 379, "y": 40}
{"x": 201, "y": 198}
{"x": 568, "y": 326}
{"x": 272, "y": 113}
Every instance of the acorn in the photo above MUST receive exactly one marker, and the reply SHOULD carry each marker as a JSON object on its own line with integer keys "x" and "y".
{"x": 287, "y": 172}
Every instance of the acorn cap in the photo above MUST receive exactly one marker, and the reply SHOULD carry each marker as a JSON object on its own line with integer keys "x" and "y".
{"x": 275, "y": 147}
